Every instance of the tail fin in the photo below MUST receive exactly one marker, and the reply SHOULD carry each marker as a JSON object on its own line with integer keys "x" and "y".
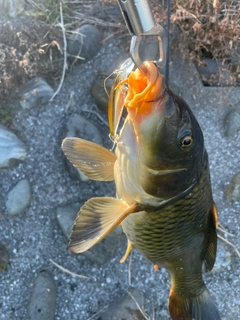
{"x": 200, "y": 307}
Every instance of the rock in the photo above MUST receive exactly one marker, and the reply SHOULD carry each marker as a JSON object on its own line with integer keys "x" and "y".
{"x": 101, "y": 252}
{"x": 78, "y": 126}
{"x": 105, "y": 250}
{"x": 19, "y": 198}
{"x": 12, "y": 7}
{"x": 232, "y": 192}
{"x": 223, "y": 258}
{"x": 43, "y": 301}
{"x": 4, "y": 257}
{"x": 85, "y": 43}
{"x": 174, "y": 88}
{"x": 125, "y": 308}
{"x": 12, "y": 150}
{"x": 66, "y": 216}
{"x": 214, "y": 73}
{"x": 232, "y": 123}
{"x": 99, "y": 94}
{"x": 36, "y": 92}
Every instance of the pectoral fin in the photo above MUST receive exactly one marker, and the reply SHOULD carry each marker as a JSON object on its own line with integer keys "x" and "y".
{"x": 95, "y": 161}
{"x": 96, "y": 219}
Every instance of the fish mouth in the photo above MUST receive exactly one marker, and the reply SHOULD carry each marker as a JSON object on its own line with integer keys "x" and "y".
{"x": 144, "y": 89}
{"x": 165, "y": 172}
{"x": 135, "y": 90}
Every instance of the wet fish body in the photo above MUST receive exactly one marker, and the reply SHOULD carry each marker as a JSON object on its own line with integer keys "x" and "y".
{"x": 164, "y": 199}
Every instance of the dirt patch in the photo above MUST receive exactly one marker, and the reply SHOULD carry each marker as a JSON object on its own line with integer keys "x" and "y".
{"x": 28, "y": 48}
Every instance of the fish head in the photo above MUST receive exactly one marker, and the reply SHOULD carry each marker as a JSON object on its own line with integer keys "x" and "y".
{"x": 169, "y": 140}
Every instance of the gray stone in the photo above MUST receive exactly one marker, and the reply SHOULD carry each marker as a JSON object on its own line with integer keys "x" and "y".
{"x": 66, "y": 216}
{"x": 103, "y": 251}
{"x": 99, "y": 94}
{"x": 232, "y": 192}
{"x": 78, "y": 126}
{"x": 36, "y": 92}
{"x": 174, "y": 88}
{"x": 232, "y": 122}
{"x": 223, "y": 258}
{"x": 85, "y": 42}
{"x": 43, "y": 301}
{"x": 19, "y": 198}
{"x": 4, "y": 257}
{"x": 12, "y": 150}
{"x": 125, "y": 308}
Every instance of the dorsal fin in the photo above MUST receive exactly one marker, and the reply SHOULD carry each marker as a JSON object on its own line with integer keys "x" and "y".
{"x": 95, "y": 161}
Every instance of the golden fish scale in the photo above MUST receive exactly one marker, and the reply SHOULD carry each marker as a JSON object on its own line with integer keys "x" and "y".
{"x": 173, "y": 236}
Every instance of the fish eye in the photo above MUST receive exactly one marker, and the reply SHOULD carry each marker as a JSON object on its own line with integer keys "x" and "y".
{"x": 186, "y": 141}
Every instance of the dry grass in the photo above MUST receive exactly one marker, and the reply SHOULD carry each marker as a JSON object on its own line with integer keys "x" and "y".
{"x": 208, "y": 28}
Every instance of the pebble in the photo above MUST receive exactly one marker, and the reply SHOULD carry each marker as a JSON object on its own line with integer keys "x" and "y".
{"x": 36, "y": 92}
{"x": 77, "y": 126}
{"x": 99, "y": 94}
{"x": 43, "y": 301}
{"x": 4, "y": 257}
{"x": 223, "y": 258}
{"x": 103, "y": 251}
{"x": 66, "y": 216}
{"x": 84, "y": 42}
{"x": 12, "y": 150}
{"x": 19, "y": 198}
{"x": 232, "y": 123}
{"x": 232, "y": 192}
{"x": 125, "y": 308}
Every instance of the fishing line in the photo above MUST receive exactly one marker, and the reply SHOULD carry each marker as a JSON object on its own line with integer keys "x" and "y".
{"x": 168, "y": 40}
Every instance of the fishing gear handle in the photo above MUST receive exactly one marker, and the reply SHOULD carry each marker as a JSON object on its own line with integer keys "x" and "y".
{"x": 140, "y": 22}
{"x": 137, "y": 15}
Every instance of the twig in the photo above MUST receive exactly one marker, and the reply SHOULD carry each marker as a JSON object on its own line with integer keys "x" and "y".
{"x": 69, "y": 272}
{"x": 230, "y": 243}
{"x": 103, "y": 309}
{"x": 64, "y": 54}
{"x": 97, "y": 114}
{"x": 221, "y": 228}
{"x": 146, "y": 316}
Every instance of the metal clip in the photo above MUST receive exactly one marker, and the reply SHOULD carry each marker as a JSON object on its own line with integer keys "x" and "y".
{"x": 140, "y": 22}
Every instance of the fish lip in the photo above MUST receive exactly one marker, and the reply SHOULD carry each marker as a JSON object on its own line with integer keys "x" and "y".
{"x": 165, "y": 172}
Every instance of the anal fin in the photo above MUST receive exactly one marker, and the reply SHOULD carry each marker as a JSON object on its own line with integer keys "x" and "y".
{"x": 96, "y": 219}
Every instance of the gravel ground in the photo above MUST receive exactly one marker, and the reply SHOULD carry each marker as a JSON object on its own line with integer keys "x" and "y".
{"x": 35, "y": 237}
